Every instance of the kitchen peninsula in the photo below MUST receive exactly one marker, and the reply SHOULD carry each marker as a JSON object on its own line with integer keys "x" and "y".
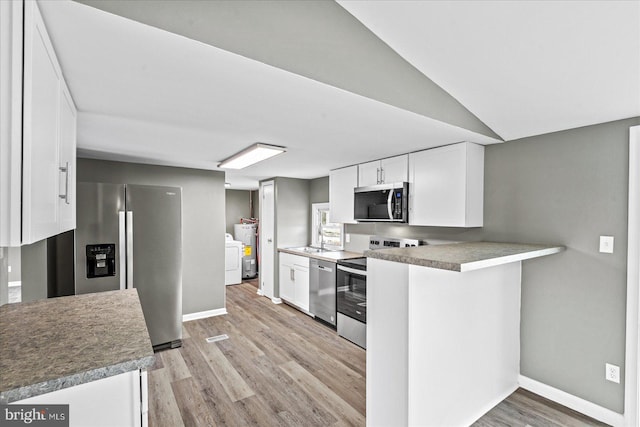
{"x": 443, "y": 335}
{"x": 90, "y": 351}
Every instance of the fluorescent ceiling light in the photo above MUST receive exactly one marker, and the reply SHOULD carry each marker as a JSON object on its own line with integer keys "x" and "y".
{"x": 254, "y": 154}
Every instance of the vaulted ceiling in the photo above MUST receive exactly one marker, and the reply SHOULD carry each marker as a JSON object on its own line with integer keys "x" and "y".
{"x": 188, "y": 83}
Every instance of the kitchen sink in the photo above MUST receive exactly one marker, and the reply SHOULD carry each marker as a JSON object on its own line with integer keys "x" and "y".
{"x": 310, "y": 250}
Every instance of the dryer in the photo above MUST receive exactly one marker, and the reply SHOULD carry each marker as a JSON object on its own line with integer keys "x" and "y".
{"x": 232, "y": 260}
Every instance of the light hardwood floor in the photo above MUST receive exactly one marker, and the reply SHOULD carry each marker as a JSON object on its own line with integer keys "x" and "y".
{"x": 280, "y": 367}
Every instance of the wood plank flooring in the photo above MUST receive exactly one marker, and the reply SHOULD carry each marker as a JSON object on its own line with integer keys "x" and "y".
{"x": 280, "y": 367}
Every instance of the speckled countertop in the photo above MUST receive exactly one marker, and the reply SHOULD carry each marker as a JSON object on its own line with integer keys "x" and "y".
{"x": 331, "y": 256}
{"x": 464, "y": 256}
{"x": 57, "y": 343}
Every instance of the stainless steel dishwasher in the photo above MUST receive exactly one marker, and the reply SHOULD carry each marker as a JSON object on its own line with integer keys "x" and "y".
{"x": 322, "y": 290}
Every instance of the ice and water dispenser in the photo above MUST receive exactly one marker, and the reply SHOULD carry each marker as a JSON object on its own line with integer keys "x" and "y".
{"x": 101, "y": 260}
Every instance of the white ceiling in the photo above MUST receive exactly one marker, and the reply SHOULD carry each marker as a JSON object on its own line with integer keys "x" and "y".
{"x": 148, "y": 95}
{"x": 523, "y": 67}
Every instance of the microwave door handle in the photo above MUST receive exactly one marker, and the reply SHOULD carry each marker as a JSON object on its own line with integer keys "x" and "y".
{"x": 389, "y": 210}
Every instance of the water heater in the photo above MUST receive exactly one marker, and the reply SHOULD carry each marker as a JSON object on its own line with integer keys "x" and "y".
{"x": 247, "y": 233}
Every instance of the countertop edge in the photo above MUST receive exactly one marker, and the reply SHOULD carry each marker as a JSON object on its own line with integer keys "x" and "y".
{"x": 316, "y": 255}
{"x": 492, "y": 262}
{"x": 49, "y": 386}
{"x": 465, "y": 266}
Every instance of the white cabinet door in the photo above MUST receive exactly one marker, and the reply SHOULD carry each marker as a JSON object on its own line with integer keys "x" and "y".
{"x": 41, "y": 106}
{"x": 287, "y": 289}
{"x": 385, "y": 171}
{"x": 67, "y": 162}
{"x": 301, "y": 275}
{"x": 395, "y": 169}
{"x": 48, "y": 139}
{"x": 369, "y": 174}
{"x": 294, "y": 280}
{"x": 341, "y": 185}
{"x": 446, "y": 186}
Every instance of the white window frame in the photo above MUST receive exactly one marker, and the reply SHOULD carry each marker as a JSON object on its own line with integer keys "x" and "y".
{"x": 316, "y": 208}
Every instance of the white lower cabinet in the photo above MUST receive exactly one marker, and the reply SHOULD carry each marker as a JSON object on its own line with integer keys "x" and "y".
{"x": 294, "y": 280}
{"x": 120, "y": 400}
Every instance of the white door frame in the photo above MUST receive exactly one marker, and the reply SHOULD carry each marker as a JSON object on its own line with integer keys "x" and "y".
{"x": 267, "y": 248}
{"x": 632, "y": 397}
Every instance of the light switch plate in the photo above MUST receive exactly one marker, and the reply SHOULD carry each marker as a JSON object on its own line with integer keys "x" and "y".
{"x": 606, "y": 244}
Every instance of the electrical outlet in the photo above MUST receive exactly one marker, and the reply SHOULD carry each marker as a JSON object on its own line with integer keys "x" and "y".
{"x": 347, "y": 238}
{"x": 612, "y": 373}
{"x": 9, "y": 268}
{"x": 606, "y": 244}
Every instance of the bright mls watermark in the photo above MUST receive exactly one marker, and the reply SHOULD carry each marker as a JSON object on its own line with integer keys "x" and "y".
{"x": 34, "y": 415}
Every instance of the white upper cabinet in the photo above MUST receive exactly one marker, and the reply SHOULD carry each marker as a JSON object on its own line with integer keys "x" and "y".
{"x": 446, "y": 186}
{"x": 385, "y": 171}
{"x": 341, "y": 185}
{"x": 46, "y": 205}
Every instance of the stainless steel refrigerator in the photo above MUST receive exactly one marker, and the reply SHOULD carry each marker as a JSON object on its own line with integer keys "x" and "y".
{"x": 130, "y": 236}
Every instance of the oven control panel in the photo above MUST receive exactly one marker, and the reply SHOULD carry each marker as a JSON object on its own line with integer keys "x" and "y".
{"x": 377, "y": 242}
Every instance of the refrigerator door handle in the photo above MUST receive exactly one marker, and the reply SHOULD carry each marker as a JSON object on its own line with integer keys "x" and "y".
{"x": 130, "y": 249}
{"x": 122, "y": 261}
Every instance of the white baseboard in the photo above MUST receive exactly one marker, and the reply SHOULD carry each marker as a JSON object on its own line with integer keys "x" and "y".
{"x": 276, "y": 300}
{"x": 260, "y": 292}
{"x": 570, "y": 401}
{"x": 204, "y": 314}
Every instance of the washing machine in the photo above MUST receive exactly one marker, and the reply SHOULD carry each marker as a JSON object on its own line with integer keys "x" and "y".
{"x": 232, "y": 261}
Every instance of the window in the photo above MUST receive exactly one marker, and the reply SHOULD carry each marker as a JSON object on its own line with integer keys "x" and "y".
{"x": 324, "y": 232}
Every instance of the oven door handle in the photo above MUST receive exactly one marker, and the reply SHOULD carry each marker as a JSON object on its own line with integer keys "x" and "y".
{"x": 389, "y": 210}
{"x": 352, "y": 270}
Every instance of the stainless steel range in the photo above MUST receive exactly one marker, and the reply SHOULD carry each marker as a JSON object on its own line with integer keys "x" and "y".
{"x": 351, "y": 290}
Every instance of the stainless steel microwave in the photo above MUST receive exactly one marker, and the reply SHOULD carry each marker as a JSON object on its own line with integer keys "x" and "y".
{"x": 382, "y": 203}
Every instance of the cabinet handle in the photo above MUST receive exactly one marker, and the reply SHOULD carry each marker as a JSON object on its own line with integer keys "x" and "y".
{"x": 292, "y": 275}
{"x": 381, "y": 175}
{"x": 65, "y": 169}
{"x": 377, "y": 175}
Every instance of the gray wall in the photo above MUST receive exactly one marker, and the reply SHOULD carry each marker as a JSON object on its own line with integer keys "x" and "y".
{"x": 34, "y": 271}
{"x": 319, "y": 190}
{"x": 292, "y": 212}
{"x": 16, "y": 266}
{"x": 237, "y": 205}
{"x": 564, "y": 188}
{"x": 203, "y": 213}
{"x": 568, "y": 187}
{"x": 255, "y": 199}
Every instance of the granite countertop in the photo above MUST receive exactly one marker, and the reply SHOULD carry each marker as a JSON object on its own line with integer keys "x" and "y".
{"x": 331, "y": 256}
{"x": 464, "y": 256}
{"x": 57, "y": 343}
